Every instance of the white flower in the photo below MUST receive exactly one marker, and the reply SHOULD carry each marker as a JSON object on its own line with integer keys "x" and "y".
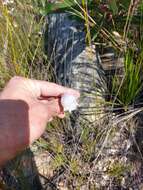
{"x": 69, "y": 102}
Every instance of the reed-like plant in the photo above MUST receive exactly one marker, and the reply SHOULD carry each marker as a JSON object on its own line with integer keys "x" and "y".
{"x": 131, "y": 85}
{"x": 21, "y": 39}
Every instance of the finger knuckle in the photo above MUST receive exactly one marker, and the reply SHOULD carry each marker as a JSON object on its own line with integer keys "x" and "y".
{"x": 15, "y": 79}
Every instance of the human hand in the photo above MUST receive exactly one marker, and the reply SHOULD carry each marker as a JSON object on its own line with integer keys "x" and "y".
{"x": 25, "y": 107}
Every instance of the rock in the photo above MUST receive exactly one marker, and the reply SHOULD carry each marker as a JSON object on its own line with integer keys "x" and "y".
{"x": 76, "y": 65}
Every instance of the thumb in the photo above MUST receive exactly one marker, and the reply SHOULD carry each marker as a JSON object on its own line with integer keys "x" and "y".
{"x": 44, "y": 112}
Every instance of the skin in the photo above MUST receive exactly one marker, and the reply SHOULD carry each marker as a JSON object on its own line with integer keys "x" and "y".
{"x": 25, "y": 108}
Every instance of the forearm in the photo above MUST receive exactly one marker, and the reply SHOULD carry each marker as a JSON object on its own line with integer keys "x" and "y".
{"x": 5, "y": 155}
{"x": 13, "y": 132}
{"x": 6, "y": 139}
{"x": 6, "y": 147}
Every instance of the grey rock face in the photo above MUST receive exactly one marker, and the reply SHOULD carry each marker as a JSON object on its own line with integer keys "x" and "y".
{"x": 65, "y": 41}
{"x": 76, "y": 65}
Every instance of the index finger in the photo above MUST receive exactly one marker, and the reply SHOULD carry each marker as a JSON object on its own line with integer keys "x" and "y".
{"x": 52, "y": 89}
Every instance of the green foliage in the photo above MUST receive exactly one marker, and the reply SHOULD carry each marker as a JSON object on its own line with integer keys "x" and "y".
{"x": 74, "y": 166}
{"x": 131, "y": 85}
{"x": 113, "y": 6}
{"x": 118, "y": 170}
{"x": 57, "y": 6}
{"x": 63, "y": 6}
{"x": 58, "y": 161}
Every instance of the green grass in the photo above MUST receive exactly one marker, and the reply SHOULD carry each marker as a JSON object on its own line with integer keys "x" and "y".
{"x": 21, "y": 39}
{"x": 131, "y": 85}
{"x": 117, "y": 170}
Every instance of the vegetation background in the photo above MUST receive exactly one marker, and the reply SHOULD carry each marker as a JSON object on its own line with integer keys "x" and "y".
{"x": 113, "y": 25}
